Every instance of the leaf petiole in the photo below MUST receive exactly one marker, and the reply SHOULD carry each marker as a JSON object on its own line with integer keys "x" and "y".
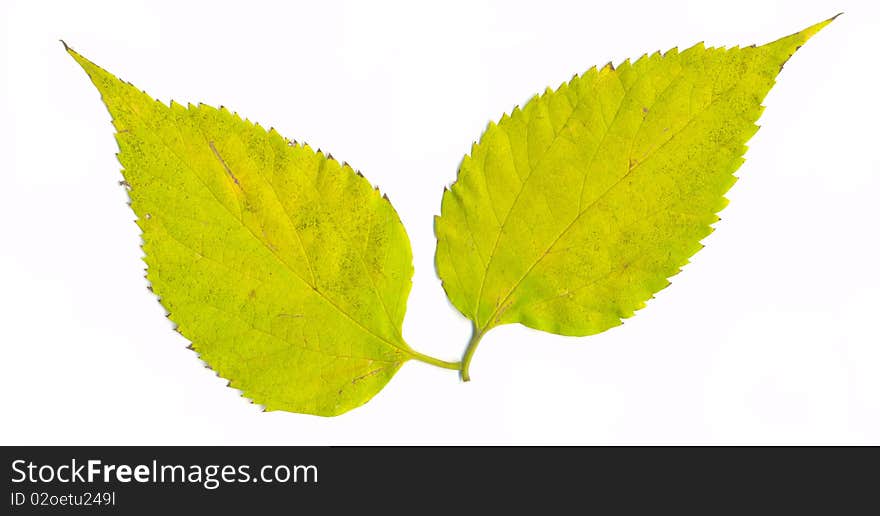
{"x": 469, "y": 353}
{"x": 456, "y": 366}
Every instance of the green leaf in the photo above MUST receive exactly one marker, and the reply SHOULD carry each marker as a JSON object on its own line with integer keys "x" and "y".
{"x": 287, "y": 271}
{"x": 570, "y": 213}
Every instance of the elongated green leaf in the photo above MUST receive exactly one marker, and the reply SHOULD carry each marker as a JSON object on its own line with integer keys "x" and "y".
{"x": 570, "y": 213}
{"x": 287, "y": 271}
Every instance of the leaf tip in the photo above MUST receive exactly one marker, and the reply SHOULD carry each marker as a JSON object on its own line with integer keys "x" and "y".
{"x": 813, "y": 29}
{"x": 799, "y": 38}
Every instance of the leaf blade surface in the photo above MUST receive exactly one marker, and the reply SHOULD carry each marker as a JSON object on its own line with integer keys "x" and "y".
{"x": 570, "y": 213}
{"x": 287, "y": 270}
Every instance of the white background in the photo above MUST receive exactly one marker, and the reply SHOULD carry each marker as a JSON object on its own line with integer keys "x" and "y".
{"x": 769, "y": 336}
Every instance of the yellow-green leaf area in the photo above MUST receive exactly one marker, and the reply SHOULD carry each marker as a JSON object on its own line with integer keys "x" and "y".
{"x": 287, "y": 270}
{"x": 570, "y": 213}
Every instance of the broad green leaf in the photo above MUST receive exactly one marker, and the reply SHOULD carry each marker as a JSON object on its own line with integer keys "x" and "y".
{"x": 571, "y": 212}
{"x": 287, "y": 271}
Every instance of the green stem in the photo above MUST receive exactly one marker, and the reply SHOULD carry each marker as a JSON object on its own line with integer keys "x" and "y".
{"x": 469, "y": 353}
{"x": 435, "y": 361}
